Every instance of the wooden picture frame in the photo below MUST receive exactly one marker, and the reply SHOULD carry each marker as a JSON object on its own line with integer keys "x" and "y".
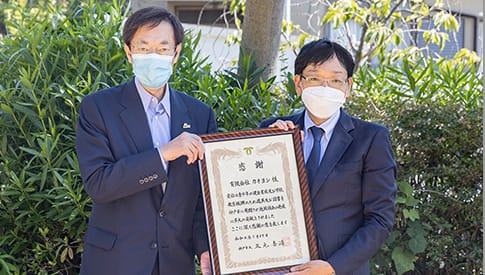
{"x": 257, "y": 201}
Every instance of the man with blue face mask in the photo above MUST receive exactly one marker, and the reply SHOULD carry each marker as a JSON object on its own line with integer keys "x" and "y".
{"x": 350, "y": 164}
{"x": 138, "y": 145}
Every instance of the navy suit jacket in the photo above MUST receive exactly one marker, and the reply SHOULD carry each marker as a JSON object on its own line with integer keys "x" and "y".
{"x": 353, "y": 194}
{"x": 132, "y": 221}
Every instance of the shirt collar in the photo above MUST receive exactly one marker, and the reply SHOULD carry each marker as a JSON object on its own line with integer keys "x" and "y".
{"x": 327, "y": 126}
{"x": 146, "y": 97}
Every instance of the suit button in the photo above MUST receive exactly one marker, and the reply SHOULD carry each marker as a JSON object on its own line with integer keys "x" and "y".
{"x": 162, "y": 213}
{"x": 153, "y": 245}
{"x": 141, "y": 182}
{"x": 155, "y": 176}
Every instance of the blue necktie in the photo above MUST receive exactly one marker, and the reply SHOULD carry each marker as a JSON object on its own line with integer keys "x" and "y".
{"x": 312, "y": 163}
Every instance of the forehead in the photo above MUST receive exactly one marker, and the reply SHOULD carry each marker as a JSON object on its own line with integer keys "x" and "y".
{"x": 161, "y": 34}
{"x": 332, "y": 66}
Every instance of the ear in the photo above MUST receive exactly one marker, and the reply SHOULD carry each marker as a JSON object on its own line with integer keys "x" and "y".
{"x": 178, "y": 49}
{"x": 349, "y": 87}
{"x": 297, "y": 80}
{"x": 128, "y": 53}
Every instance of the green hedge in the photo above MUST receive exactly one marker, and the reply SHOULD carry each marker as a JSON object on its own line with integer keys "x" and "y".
{"x": 54, "y": 57}
{"x": 433, "y": 109}
{"x": 50, "y": 61}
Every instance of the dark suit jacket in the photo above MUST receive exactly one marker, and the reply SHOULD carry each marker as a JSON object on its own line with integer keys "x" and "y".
{"x": 353, "y": 195}
{"x": 131, "y": 220}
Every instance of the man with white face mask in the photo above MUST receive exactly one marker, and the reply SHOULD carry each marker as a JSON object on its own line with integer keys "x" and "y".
{"x": 350, "y": 164}
{"x": 138, "y": 145}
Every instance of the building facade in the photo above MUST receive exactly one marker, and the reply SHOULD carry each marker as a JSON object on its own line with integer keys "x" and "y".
{"x": 213, "y": 20}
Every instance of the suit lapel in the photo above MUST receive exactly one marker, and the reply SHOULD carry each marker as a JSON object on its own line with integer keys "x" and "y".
{"x": 299, "y": 120}
{"x": 180, "y": 118}
{"x": 180, "y": 122}
{"x": 340, "y": 140}
{"x": 134, "y": 117}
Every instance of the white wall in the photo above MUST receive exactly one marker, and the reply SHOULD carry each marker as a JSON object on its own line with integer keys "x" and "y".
{"x": 223, "y": 56}
{"x": 138, "y": 4}
{"x": 305, "y": 13}
{"x": 212, "y": 45}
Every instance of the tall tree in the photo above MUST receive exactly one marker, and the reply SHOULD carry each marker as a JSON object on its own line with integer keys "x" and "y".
{"x": 3, "y": 6}
{"x": 261, "y": 29}
{"x": 389, "y": 26}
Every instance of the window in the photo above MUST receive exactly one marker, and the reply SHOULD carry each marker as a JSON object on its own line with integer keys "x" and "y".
{"x": 213, "y": 15}
{"x": 465, "y": 37}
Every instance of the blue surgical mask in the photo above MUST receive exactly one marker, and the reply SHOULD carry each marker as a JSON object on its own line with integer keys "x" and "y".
{"x": 152, "y": 70}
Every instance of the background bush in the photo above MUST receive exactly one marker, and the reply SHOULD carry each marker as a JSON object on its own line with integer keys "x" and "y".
{"x": 47, "y": 64}
{"x": 437, "y": 138}
{"x": 55, "y": 56}
{"x": 433, "y": 108}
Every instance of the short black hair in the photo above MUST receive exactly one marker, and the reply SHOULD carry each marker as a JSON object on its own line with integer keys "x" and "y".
{"x": 151, "y": 17}
{"x": 321, "y": 50}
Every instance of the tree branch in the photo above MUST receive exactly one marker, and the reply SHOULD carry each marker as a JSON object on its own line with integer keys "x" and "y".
{"x": 358, "y": 54}
{"x": 437, "y": 193}
{"x": 288, "y": 40}
{"x": 349, "y": 38}
{"x": 392, "y": 11}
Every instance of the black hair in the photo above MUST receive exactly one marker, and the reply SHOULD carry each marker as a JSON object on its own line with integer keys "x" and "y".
{"x": 151, "y": 17}
{"x": 321, "y": 50}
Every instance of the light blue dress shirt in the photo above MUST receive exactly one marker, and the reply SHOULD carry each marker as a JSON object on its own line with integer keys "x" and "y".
{"x": 158, "y": 116}
{"x": 328, "y": 127}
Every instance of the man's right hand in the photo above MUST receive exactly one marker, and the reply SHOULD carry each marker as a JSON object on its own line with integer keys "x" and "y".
{"x": 186, "y": 144}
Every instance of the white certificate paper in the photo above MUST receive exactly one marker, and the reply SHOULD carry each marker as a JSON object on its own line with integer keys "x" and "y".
{"x": 254, "y": 206}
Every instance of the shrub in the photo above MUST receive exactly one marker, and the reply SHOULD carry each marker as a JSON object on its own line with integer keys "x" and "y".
{"x": 51, "y": 60}
{"x": 436, "y": 131}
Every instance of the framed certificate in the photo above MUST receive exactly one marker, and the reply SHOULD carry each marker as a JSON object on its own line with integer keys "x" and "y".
{"x": 257, "y": 202}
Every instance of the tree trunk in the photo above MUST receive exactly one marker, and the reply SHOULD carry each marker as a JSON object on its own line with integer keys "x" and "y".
{"x": 3, "y": 28}
{"x": 261, "y": 31}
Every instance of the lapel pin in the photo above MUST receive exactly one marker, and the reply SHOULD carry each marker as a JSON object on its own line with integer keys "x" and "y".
{"x": 186, "y": 125}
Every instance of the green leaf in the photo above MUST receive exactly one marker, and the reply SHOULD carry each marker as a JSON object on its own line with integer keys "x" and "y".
{"x": 403, "y": 260}
{"x": 6, "y": 108}
{"x": 415, "y": 229}
{"x": 64, "y": 254}
{"x": 30, "y": 151}
{"x": 411, "y": 214}
{"x": 406, "y": 188}
{"x": 411, "y": 201}
{"x": 70, "y": 253}
{"x": 400, "y": 200}
{"x": 418, "y": 244}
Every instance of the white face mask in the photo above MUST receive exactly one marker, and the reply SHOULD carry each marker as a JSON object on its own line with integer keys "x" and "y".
{"x": 322, "y": 101}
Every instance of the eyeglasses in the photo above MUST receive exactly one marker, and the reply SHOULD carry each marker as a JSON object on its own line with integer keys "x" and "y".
{"x": 313, "y": 81}
{"x": 142, "y": 49}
